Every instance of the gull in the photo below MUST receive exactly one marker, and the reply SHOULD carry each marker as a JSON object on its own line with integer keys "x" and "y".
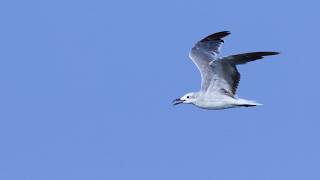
{"x": 220, "y": 77}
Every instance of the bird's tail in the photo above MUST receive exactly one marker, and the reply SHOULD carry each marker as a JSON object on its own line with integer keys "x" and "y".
{"x": 246, "y": 103}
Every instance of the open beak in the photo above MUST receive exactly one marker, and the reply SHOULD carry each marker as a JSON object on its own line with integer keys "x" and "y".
{"x": 177, "y": 101}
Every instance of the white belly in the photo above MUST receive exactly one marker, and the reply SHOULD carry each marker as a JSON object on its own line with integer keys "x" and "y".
{"x": 219, "y": 103}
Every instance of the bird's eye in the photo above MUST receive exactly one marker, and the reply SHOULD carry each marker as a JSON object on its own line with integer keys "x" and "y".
{"x": 187, "y": 96}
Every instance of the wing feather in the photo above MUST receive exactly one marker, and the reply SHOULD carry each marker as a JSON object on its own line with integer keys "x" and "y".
{"x": 205, "y": 51}
{"x": 220, "y": 75}
{"x": 247, "y": 57}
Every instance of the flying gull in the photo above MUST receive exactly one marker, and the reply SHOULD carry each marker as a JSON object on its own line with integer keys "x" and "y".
{"x": 220, "y": 77}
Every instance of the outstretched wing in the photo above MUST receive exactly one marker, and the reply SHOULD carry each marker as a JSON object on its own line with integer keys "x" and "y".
{"x": 247, "y": 57}
{"x": 225, "y": 74}
{"x": 205, "y": 51}
{"x": 225, "y": 78}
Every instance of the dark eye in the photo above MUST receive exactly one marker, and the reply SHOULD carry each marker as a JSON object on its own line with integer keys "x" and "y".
{"x": 187, "y": 96}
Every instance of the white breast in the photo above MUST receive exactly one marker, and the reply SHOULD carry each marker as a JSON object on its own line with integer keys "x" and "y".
{"x": 218, "y": 102}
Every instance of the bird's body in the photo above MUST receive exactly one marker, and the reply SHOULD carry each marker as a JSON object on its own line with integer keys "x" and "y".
{"x": 215, "y": 101}
{"x": 220, "y": 77}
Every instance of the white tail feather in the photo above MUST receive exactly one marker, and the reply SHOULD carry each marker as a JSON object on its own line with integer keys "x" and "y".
{"x": 245, "y": 102}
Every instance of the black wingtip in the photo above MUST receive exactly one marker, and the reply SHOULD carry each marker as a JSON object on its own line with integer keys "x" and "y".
{"x": 269, "y": 53}
{"x": 216, "y": 36}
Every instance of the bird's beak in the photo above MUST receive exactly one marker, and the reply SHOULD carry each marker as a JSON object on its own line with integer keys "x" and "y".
{"x": 177, "y": 101}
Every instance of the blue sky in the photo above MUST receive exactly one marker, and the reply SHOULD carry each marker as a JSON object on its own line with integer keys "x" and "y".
{"x": 86, "y": 90}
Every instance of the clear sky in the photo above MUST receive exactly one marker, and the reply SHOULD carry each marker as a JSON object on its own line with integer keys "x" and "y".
{"x": 86, "y": 91}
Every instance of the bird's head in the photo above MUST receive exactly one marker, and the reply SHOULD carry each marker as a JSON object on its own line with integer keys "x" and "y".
{"x": 186, "y": 99}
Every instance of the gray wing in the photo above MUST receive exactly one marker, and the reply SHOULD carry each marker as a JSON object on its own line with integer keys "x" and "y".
{"x": 225, "y": 78}
{"x": 220, "y": 75}
{"x": 225, "y": 74}
{"x": 205, "y": 51}
{"x": 247, "y": 57}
